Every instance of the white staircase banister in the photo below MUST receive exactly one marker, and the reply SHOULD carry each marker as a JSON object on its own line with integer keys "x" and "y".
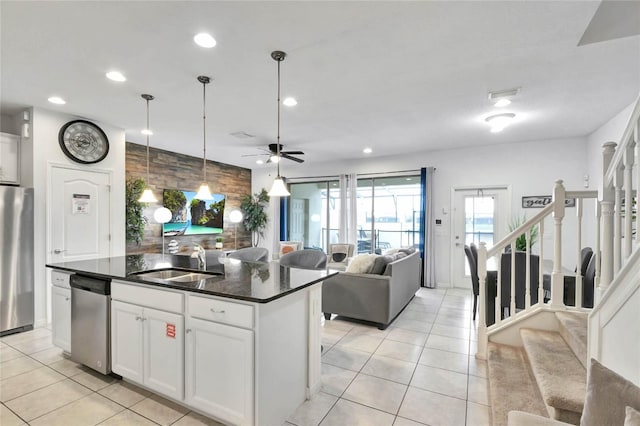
{"x": 628, "y": 135}
{"x": 534, "y": 220}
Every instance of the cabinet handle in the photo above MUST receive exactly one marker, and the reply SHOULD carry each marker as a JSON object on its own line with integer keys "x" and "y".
{"x": 138, "y": 318}
{"x": 217, "y": 312}
{"x": 188, "y": 330}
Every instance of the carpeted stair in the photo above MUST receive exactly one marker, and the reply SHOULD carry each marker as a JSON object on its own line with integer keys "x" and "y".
{"x": 545, "y": 377}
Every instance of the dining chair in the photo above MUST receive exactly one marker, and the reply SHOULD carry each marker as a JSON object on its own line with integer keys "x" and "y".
{"x": 473, "y": 268}
{"x": 251, "y": 254}
{"x": 305, "y": 259}
{"x": 520, "y": 280}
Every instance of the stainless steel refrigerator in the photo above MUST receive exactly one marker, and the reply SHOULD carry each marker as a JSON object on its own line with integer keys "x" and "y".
{"x": 16, "y": 259}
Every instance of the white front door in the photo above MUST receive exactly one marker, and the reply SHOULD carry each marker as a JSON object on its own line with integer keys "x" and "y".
{"x": 79, "y": 214}
{"x": 479, "y": 214}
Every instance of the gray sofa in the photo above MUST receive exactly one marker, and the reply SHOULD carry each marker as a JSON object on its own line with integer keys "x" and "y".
{"x": 378, "y": 298}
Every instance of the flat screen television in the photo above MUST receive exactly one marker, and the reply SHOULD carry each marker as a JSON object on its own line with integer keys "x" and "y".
{"x": 190, "y": 216}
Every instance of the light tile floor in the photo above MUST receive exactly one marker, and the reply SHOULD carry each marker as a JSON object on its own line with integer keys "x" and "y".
{"x": 418, "y": 371}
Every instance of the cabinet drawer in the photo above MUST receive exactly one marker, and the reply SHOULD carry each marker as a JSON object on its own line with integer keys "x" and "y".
{"x": 60, "y": 279}
{"x": 159, "y": 299}
{"x": 221, "y": 311}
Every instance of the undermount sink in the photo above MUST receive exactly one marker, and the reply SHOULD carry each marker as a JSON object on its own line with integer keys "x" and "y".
{"x": 175, "y": 275}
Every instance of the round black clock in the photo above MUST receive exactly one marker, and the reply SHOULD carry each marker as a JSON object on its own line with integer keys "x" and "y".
{"x": 83, "y": 142}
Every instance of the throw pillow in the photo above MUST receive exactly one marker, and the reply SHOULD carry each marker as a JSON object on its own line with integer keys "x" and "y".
{"x": 390, "y": 251}
{"x": 361, "y": 264}
{"x": 632, "y": 417}
{"x": 407, "y": 251}
{"x": 380, "y": 264}
{"x": 607, "y": 396}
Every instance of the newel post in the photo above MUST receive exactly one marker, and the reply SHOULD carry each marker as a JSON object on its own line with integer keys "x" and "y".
{"x": 606, "y": 210}
{"x": 482, "y": 305}
{"x": 557, "y": 278}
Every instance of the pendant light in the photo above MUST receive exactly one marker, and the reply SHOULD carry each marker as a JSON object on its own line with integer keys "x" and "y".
{"x": 204, "y": 193}
{"x": 278, "y": 189}
{"x": 147, "y": 196}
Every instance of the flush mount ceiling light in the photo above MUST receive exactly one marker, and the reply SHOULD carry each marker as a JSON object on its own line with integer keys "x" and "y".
{"x": 367, "y": 150}
{"x": 499, "y": 121}
{"x": 502, "y": 98}
{"x": 57, "y": 100}
{"x": 290, "y": 101}
{"x": 259, "y": 162}
{"x": 147, "y": 195}
{"x": 116, "y": 76}
{"x": 204, "y": 193}
{"x": 278, "y": 189}
{"x": 204, "y": 40}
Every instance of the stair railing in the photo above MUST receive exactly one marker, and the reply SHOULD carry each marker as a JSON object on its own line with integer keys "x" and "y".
{"x": 619, "y": 200}
{"x": 553, "y": 296}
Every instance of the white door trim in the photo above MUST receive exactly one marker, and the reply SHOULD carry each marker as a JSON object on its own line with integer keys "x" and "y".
{"x": 452, "y": 247}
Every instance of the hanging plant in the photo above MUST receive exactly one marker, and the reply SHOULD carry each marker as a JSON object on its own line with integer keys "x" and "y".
{"x": 255, "y": 218}
{"x": 135, "y": 219}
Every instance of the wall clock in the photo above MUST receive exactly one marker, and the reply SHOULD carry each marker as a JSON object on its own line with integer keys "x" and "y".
{"x": 83, "y": 142}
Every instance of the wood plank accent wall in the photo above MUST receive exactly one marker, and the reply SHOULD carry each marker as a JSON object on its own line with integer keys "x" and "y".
{"x": 169, "y": 170}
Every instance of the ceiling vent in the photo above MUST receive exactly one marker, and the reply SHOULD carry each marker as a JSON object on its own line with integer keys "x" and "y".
{"x": 242, "y": 135}
{"x": 494, "y": 96}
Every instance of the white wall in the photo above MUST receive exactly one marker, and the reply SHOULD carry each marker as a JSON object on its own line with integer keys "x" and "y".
{"x": 611, "y": 131}
{"x": 46, "y": 151}
{"x": 529, "y": 168}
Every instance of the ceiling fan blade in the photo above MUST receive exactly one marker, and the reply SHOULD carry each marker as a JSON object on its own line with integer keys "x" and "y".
{"x": 288, "y": 157}
{"x": 292, "y": 152}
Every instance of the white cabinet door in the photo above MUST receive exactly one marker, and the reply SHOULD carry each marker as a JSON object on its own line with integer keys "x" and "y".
{"x": 219, "y": 370}
{"x": 9, "y": 158}
{"x": 164, "y": 352}
{"x": 61, "y": 317}
{"x": 126, "y": 340}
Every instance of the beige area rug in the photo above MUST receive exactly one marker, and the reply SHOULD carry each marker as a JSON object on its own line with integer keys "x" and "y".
{"x": 511, "y": 384}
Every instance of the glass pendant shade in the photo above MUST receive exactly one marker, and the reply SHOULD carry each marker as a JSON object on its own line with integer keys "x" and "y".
{"x": 147, "y": 197}
{"x": 204, "y": 193}
{"x": 278, "y": 189}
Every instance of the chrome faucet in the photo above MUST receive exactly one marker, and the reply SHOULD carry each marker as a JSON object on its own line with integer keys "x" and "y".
{"x": 200, "y": 254}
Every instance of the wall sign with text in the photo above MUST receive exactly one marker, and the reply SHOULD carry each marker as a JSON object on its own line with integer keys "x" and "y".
{"x": 540, "y": 201}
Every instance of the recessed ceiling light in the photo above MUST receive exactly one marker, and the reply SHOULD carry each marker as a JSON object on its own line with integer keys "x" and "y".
{"x": 146, "y": 132}
{"x": 259, "y": 162}
{"x": 204, "y": 40}
{"x": 502, "y": 103}
{"x": 116, "y": 76}
{"x": 499, "y": 121}
{"x": 290, "y": 101}
{"x": 367, "y": 150}
{"x": 57, "y": 100}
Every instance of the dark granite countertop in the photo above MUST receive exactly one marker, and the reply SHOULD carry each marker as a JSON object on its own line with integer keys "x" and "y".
{"x": 232, "y": 278}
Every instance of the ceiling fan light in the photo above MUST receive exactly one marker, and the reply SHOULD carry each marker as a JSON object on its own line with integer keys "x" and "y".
{"x": 290, "y": 101}
{"x": 278, "y": 189}
{"x": 204, "y": 193}
{"x": 274, "y": 159}
{"x": 147, "y": 197}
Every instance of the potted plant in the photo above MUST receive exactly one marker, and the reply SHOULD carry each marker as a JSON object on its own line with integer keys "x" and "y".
{"x": 255, "y": 217}
{"x": 521, "y": 241}
{"x": 135, "y": 220}
{"x": 219, "y": 242}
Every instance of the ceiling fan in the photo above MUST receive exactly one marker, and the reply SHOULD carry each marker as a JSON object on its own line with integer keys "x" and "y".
{"x": 273, "y": 152}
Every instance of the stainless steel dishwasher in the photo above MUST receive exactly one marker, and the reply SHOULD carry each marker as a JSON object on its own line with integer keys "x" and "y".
{"x": 91, "y": 322}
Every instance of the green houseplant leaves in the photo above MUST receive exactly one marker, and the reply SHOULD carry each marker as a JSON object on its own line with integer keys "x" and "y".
{"x": 255, "y": 217}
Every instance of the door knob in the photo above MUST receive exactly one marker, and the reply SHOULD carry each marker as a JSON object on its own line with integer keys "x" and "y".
{"x": 58, "y": 251}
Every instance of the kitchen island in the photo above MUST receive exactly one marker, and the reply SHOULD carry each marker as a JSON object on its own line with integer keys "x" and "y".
{"x": 238, "y": 341}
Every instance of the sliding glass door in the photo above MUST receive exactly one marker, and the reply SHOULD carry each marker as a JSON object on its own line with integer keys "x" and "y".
{"x": 314, "y": 213}
{"x": 388, "y": 210}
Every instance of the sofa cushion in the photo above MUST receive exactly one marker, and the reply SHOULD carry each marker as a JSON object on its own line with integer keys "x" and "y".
{"x": 361, "y": 264}
{"x": 632, "y": 417}
{"x": 607, "y": 396}
{"x": 407, "y": 251}
{"x": 380, "y": 264}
